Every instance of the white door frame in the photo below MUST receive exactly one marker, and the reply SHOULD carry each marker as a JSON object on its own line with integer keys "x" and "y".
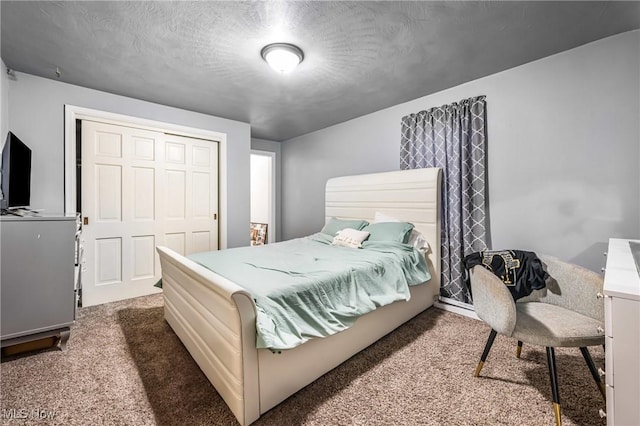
{"x": 73, "y": 113}
{"x": 271, "y": 234}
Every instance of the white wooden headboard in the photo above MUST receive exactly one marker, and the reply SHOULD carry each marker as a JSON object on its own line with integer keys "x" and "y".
{"x": 408, "y": 195}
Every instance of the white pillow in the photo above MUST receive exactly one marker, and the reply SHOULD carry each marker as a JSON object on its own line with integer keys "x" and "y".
{"x": 416, "y": 239}
{"x": 349, "y": 237}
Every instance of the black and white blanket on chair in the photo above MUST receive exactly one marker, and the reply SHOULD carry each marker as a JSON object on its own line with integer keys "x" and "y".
{"x": 521, "y": 271}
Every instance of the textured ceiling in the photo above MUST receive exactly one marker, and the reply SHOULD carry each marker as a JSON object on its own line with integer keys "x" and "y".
{"x": 359, "y": 56}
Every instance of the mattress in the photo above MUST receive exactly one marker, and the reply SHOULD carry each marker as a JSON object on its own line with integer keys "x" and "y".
{"x": 306, "y": 287}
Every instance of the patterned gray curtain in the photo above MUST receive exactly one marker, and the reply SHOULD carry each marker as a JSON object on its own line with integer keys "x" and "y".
{"x": 453, "y": 137}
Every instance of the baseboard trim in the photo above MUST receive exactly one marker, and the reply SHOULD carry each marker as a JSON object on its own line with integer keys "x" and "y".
{"x": 455, "y": 309}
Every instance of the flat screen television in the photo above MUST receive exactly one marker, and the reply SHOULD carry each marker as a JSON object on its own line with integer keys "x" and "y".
{"x": 16, "y": 173}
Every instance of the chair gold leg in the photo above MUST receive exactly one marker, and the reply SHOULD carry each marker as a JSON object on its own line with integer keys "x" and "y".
{"x": 519, "y": 349}
{"x": 553, "y": 377}
{"x": 485, "y": 353}
{"x": 556, "y": 410}
{"x": 478, "y": 369}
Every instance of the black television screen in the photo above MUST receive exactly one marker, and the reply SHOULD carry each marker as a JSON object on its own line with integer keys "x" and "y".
{"x": 16, "y": 173}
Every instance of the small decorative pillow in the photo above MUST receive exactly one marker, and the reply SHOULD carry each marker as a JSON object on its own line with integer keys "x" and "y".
{"x": 334, "y": 225}
{"x": 350, "y": 237}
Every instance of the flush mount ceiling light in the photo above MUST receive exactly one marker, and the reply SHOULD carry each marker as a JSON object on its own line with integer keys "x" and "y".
{"x": 282, "y": 57}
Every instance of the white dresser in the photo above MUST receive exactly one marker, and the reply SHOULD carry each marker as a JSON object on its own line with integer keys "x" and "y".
{"x": 622, "y": 329}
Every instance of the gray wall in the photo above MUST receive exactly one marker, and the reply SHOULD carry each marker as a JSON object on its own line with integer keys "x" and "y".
{"x": 271, "y": 146}
{"x": 4, "y": 103}
{"x": 563, "y": 150}
{"x": 36, "y": 111}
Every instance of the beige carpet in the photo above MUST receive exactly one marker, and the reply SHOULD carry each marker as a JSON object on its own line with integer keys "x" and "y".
{"x": 124, "y": 366}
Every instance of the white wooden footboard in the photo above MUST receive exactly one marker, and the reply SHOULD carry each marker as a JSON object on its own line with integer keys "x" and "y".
{"x": 215, "y": 319}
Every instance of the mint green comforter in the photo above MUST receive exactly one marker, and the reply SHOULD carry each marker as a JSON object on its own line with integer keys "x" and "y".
{"x": 306, "y": 288}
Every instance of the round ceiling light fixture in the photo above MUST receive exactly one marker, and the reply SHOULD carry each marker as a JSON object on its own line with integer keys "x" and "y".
{"x": 282, "y": 57}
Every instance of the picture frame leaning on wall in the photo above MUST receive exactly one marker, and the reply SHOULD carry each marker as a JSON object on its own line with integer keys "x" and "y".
{"x": 258, "y": 234}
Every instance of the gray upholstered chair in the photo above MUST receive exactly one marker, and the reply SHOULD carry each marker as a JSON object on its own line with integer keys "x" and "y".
{"x": 569, "y": 312}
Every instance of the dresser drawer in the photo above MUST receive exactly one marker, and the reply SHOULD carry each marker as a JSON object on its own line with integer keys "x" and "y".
{"x": 610, "y": 410}
{"x": 608, "y": 326}
{"x": 608, "y": 357}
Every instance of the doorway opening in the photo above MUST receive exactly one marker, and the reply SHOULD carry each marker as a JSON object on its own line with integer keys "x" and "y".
{"x": 263, "y": 197}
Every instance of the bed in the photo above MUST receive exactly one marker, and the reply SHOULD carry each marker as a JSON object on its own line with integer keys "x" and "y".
{"x": 215, "y": 318}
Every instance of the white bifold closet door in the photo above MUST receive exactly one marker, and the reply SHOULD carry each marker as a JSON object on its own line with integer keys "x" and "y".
{"x": 141, "y": 189}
